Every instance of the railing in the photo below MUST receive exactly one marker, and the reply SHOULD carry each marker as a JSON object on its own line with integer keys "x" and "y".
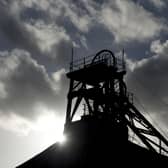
{"x": 88, "y": 61}
{"x": 80, "y": 63}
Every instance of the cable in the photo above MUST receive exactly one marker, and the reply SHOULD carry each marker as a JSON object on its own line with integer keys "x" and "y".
{"x": 151, "y": 118}
{"x": 154, "y": 94}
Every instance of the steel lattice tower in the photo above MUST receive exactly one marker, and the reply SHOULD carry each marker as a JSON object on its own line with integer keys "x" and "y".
{"x": 99, "y": 83}
{"x": 100, "y": 138}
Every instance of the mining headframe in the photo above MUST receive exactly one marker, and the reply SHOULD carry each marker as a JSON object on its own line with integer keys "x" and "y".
{"x": 100, "y": 138}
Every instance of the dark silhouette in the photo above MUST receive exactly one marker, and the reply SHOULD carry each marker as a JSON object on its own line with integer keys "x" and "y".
{"x": 100, "y": 137}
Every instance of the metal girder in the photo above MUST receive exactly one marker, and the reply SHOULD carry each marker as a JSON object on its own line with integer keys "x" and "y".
{"x": 76, "y": 106}
{"x": 141, "y": 136}
{"x": 146, "y": 128}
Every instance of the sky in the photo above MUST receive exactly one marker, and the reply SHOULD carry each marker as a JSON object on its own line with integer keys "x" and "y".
{"x": 36, "y": 38}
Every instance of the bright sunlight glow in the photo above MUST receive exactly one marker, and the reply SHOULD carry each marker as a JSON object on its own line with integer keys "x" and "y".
{"x": 50, "y": 128}
{"x": 62, "y": 139}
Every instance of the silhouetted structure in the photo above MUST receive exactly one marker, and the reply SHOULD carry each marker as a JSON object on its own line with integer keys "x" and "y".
{"x": 100, "y": 137}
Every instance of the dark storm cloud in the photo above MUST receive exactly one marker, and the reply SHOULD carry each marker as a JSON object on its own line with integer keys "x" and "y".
{"x": 158, "y": 4}
{"x": 24, "y": 29}
{"x": 13, "y": 30}
{"x": 148, "y": 80}
{"x": 27, "y": 86}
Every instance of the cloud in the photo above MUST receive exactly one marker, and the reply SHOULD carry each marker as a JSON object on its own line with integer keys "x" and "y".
{"x": 83, "y": 41}
{"x": 148, "y": 80}
{"x": 42, "y": 38}
{"x": 15, "y": 123}
{"x": 128, "y": 21}
{"x": 46, "y": 35}
{"x": 14, "y": 32}
{"x": 159, "y": 48}
{"x": 26, "y": 86}
{"x": 158, "y": 3}
{"x": 69, "y": 10}
{"x": 47, "y": 28}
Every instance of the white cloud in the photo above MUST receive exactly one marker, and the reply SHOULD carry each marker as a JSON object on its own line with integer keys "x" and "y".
{"x": 57, "y": 77}
{"x": 40, "y": 4}
{"x": 128, "y": 21}
{"x": 63, "y": 9}
{"x": 45, "y": 124}
{"x": 10, "y": 61}
{"x": 159, "y": 48}
{"x": 27, "y": 92}
{"x": 158, "y": 3}
{"x": 132, "y": 65}
{"x": 83, "y": 41}
{"x": 77, "y": 15}
{"x": 15, "y": 123}
{"x": 47, "y": 35}
{"x": 25, "y": 83}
